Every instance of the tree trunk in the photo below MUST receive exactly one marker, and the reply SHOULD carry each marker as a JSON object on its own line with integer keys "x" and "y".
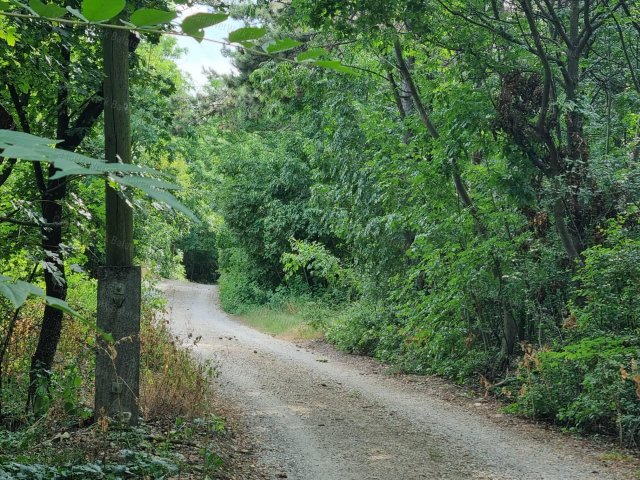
{"x": 54, "y": 276}
{"x": 52, "y": 194}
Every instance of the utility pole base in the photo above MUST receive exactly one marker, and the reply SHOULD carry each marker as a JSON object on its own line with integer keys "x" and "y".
{"x": 118, "y": 363}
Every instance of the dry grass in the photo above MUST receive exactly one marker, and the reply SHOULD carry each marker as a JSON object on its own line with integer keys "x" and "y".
{"x": 174, "y": 384}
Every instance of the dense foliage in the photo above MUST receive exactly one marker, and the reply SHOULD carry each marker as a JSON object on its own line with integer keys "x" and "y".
{"x": 471, "y": 193}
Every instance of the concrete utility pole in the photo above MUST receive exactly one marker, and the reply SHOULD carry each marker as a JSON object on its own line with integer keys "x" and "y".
{"x": 119, "y": 282}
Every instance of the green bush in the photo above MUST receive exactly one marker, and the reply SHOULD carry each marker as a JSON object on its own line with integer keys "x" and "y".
{"x": 357, "y": 330}
{"x": 239, "y": 287}
{"x": 608, "y": 299}
{"x": 591, "y": 385}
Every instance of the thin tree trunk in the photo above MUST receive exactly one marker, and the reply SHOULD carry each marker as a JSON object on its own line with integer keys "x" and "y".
{"x": 55, "y": 278}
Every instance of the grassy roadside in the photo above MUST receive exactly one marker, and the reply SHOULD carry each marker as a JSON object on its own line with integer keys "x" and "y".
{"x": 289, "y": 322}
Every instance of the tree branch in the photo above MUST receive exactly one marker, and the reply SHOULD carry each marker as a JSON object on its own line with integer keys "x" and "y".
{"x": 26, "y": 223}
{"x": 408, "y": 78}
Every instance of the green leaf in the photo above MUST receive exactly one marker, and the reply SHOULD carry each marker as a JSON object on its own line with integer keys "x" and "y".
{"x": 31, "y": 148}
{"x": 13, "y": 137}
{"x": 151, "y": 16}
{"x": 282, "y": 45}
{"x": 335, "y": 65}
{"x": 145, "y": 183}
{"x": 247, "y": 33}
{"x": 312, "y": 54}
{"x": 194, "y": 25}
{"x": 166, "y": 197}
{"x": 100, "y": 167}
{"x": 66, "y": 171}
{"x": 4, "y": 6}
{"x": 65, "y": 308}
{"x": 17, "y": 291}
{"x": 101, "y": 10}
{"x": 16, "y": 295}
{"x": 48, "y": 10}
{"x": 60, "y": 158}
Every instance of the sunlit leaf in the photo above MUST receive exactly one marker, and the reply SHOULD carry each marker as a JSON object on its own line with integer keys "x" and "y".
{"x": 150, "y": 16}
{"x": 194, "y": 25}
{"x": 101, "y": 10}
{"x": 247, "y": 33}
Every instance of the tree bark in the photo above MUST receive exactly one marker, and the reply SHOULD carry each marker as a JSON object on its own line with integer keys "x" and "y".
{"x": 52, "y": 230}
{"x": 118, "y": 377}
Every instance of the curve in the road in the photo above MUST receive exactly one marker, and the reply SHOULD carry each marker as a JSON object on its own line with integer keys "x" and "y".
{"x": 329, "y": 420}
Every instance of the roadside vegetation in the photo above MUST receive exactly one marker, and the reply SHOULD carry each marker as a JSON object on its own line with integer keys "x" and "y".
{"x": 466, "y": 205}
{"x": 47, "y": 425}
{"x": 180, "y": 433}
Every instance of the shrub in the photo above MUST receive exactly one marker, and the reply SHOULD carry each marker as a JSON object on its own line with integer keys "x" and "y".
{"x": 357, "y": 330}
{"x": 239, "y": 288}
{"x": 590, "y": 385}
{"x": 608, "y": 297}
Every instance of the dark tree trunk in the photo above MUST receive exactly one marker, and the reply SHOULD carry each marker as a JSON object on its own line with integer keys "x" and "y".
{"x": 52, "y": 196}
{"x": 54, "y": 276}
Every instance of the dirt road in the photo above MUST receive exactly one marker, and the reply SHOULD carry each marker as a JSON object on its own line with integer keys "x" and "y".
{"x": 322, "y": 415}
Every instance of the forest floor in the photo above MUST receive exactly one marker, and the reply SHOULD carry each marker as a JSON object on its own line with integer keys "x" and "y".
{"x": 306, "y": 411}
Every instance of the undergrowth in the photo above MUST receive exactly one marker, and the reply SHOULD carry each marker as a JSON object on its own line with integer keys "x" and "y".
{"x": 63, "y": 442}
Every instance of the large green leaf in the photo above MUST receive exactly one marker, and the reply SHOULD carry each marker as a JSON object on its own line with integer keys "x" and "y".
{"x": 173, "y": 202}
{"x": 247, "y": 33}
{"x": 151, "y": 16}
{"x": 76, "y": 13}
{"x": 312, "y": 54}
{"x": 144, "y": 183}
{"x": 335, "y": 65}
{"x": 65, "y": 308}
{"x": 101, "y": 10}
{"x": 282, "y": 45}
{"x": 11, "y": 137}
{"x": 31, "y": 148}
{"x": 194, "y": 25}
{"x": 69, "y": 163}
{"x": 102, "y": 167}
{"x": 48, "y": 10}
{"x": 17, "y": 291}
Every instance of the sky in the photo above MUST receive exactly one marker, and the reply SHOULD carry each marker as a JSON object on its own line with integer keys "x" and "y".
{"x": 205, "y": 54}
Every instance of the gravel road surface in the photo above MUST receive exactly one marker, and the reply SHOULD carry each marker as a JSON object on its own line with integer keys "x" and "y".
{"x": 321, "y": 415}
